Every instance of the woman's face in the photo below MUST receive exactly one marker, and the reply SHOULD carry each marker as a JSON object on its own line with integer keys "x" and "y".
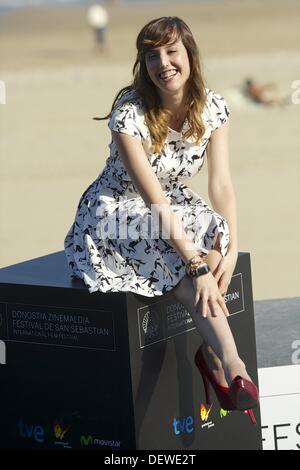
{"x": 168, "y": 67}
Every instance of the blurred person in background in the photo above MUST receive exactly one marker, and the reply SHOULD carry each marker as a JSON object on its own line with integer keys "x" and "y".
{"x": 98, "y": 20}
{"x": 266, "y": 94}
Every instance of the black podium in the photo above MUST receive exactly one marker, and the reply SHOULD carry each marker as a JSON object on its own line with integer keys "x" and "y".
{"x": 111, "y": 371}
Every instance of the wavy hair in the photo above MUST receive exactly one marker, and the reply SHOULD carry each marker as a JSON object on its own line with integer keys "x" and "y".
{"x": 159, "y": 32}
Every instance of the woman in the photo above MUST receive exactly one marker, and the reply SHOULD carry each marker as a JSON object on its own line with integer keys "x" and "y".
{"x": 162, "y": 125}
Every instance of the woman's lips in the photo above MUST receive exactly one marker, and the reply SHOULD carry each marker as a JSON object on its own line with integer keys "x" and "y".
{"x": 168, "y": 75}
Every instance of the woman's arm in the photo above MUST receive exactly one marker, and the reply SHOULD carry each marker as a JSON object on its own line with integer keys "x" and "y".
{"x": 149, "y": 187}
{"x": 220, "y": 188}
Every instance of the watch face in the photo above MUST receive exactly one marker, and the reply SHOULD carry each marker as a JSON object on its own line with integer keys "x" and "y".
{"x": 204, "y": 269}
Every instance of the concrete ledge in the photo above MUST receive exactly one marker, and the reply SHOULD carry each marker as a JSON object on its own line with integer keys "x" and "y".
{"x": 277, "y": 326}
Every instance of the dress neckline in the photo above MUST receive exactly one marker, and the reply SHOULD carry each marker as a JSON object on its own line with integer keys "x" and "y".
{"x": 182, "y": 128}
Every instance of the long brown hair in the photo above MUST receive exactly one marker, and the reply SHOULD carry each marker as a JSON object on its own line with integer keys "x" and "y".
{"x": 159, "y": 32}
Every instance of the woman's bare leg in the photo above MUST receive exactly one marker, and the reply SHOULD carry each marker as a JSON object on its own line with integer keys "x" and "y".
{"x": 220, "y": 345}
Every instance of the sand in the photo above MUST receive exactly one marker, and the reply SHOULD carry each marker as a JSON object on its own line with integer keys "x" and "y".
{"x": 51, "y": 149}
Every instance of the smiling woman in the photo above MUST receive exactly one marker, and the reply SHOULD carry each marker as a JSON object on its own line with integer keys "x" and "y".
{"x": 168, "y": 77}
{"x": 169, "y": 69}
{"x": 162, "y": 125}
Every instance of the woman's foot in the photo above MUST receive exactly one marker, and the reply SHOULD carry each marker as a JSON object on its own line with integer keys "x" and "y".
{"x": 226, "y": 372}
{"x": 233, "y": 368}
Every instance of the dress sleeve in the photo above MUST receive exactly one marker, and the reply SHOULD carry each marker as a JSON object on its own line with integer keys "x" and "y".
{"x": 125, "y": 119}
{"x": 219, "y": 110}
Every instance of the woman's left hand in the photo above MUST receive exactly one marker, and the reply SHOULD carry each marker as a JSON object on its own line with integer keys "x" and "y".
{"x": 223, "y": 272}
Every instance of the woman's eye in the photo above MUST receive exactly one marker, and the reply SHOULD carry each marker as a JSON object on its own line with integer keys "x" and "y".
{"x": 173, "y": 50}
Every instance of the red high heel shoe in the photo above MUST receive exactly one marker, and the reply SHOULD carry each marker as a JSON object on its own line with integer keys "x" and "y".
{"x": 243, "y": 393}
{"x": 251, "y": 416}
{"x": 223, "y": 393}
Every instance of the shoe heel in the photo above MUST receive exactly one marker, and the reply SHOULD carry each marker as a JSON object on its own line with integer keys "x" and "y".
{"x": 243, "y": 393}
{"x": 206, "y": 388}
{"x": 251, "y": 416}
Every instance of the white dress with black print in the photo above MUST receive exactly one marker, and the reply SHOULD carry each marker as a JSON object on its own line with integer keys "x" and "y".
{"x": 114, "y": 244}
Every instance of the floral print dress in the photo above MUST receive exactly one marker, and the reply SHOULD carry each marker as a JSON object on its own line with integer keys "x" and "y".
{"x": 113, "y": 244}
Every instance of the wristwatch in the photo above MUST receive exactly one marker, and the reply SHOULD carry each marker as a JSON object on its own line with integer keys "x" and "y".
{"x": 199, "y": 271}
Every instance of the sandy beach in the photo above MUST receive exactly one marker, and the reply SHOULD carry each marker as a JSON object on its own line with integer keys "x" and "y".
{"x": 51, "y": 149}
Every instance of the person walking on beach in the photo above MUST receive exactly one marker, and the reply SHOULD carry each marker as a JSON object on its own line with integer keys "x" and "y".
{"x": 162, "y": 125}
{"x": 98, "y": 20}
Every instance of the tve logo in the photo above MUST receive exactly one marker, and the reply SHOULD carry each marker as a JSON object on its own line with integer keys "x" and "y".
{"x": 30, "y": 431}
{"x": 183, "y": 425}
{"x": 2, "y": 352}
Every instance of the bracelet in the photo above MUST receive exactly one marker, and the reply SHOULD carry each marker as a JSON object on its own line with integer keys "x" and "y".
{"x": 194, "y": 263}
{"x": 200, "y": 270}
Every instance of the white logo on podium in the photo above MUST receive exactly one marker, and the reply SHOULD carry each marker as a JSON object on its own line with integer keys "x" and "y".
{"x": 150, "y": 325}
{"x": 2, "y": 352}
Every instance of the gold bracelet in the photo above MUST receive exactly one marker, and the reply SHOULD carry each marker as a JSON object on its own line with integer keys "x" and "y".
{"x": 195, "y": 259}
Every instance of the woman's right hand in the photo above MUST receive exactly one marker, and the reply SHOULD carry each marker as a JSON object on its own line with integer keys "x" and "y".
{"x": 208, "y": 298}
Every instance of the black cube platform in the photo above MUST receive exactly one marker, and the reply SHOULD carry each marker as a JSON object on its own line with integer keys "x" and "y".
{"x": 111, "y": 371}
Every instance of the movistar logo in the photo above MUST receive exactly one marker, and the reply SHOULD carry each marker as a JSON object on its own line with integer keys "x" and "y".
{"x": 86, "y": 440}
{"x": 223, "y": 413}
